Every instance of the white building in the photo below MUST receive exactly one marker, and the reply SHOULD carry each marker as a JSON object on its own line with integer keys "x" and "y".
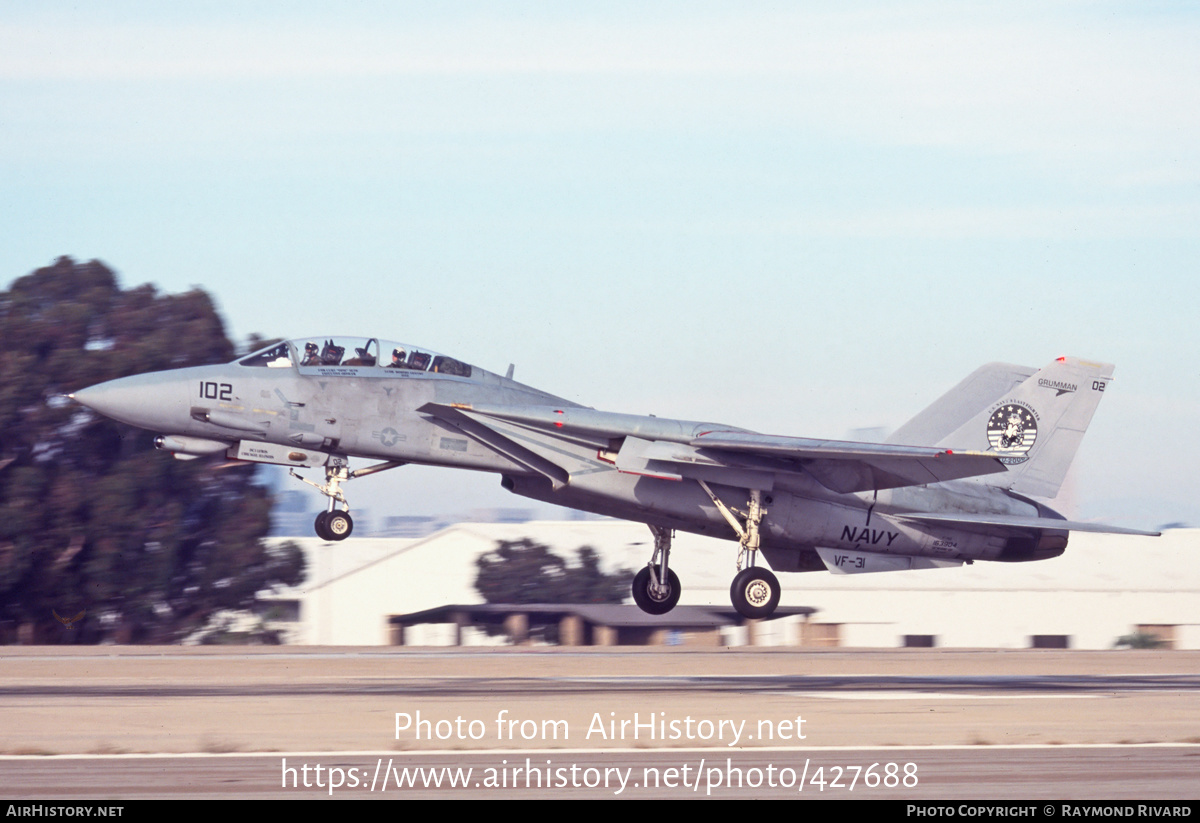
{"x": 1104, "y": 587}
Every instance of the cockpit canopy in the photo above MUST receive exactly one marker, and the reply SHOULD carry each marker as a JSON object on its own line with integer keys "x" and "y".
{"x": 354, "y": 356}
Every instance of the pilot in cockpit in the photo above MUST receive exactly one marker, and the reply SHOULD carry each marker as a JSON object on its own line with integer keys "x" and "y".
{"x": 311, "y": 358}
{"x": 398, "y": 356}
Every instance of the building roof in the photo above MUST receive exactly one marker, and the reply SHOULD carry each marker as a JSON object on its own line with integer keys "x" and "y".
{"x": 598, "y": 614}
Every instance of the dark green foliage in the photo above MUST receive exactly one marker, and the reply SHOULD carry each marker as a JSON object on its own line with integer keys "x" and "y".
{"x": 92, "y": 518}
{"x": 1139, "y": 640}
{"x": 522, "y": 571}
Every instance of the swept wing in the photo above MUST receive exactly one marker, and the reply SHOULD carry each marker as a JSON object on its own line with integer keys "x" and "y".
{"x": 674, "y": 450}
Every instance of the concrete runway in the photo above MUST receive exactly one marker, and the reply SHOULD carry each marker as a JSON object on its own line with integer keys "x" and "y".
{"x": 118, "y": 722}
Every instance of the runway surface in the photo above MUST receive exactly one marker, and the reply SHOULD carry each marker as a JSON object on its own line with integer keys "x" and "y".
{"x": 121, "y": 722}
{"x": 1032, "y": 774}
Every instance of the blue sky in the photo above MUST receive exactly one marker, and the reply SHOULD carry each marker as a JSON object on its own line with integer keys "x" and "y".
{"x": 797, "y": 218}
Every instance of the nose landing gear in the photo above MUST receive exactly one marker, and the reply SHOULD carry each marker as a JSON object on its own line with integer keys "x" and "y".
{"x": 336, "y": 524}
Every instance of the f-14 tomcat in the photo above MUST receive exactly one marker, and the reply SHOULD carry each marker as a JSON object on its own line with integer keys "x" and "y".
{"x": 951, "y": 486}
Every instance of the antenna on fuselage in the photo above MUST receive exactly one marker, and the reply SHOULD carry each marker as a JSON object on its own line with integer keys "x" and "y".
{"x": 508, "y": 375}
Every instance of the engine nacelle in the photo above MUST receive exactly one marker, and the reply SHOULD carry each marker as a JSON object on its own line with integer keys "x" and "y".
{"x": 1048, "y": 543}
{"x": 187, "y": 448}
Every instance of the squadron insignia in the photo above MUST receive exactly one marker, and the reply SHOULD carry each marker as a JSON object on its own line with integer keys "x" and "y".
{"x": 1011, "y": 430}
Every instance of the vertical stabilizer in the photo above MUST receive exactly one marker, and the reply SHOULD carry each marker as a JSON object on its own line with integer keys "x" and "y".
{"x": 1035, "y": 429}
{"x": 945, "y": 415}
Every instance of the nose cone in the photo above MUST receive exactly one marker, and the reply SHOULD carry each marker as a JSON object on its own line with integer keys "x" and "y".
{"x": 149, "y": 401}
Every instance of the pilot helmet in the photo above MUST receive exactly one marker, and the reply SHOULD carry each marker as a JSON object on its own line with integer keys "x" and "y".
{"x": 398, "y": 354}
{"x": 310, "y": 347}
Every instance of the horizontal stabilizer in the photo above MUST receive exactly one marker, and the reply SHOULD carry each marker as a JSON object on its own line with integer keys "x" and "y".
{"x": 1023, "y": 522}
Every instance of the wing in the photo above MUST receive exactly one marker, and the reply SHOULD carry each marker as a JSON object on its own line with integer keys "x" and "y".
{"x": 549, "y": 441}
{"x": 850, "y": 467}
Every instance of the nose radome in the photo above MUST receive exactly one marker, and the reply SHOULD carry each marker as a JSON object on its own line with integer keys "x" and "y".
{"x": 148, "y": 401}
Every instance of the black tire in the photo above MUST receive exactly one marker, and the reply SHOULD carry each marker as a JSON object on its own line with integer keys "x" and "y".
{"x": 648, "y": 602}
{"x": 339, "y": 525}
{"x": 320, "y": 528}
{"x": 755, "y": 593}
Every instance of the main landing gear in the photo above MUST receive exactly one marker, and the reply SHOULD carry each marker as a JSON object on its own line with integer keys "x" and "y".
{"x": 656, "y": 588}
{"x": 335, "y": 523}
{"x": 755, "y": 591}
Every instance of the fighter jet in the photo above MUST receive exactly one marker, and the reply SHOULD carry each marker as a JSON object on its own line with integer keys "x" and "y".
{"x": 953, "y": 485}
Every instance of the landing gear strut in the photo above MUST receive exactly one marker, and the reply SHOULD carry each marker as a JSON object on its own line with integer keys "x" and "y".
{"x": 656, "y": 588}
{"x": 755, "y": 591}
{"x": 334, "y": 523}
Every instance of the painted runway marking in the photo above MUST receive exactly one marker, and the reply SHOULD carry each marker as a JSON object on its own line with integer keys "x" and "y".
{"x": 901, "y": 695}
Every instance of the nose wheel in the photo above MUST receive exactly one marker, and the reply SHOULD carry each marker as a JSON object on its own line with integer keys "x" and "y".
{"x": 335, "y": 525}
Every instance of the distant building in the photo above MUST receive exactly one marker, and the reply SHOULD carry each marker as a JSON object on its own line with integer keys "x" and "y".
{"x": 1103, "y": 588}
{"x": 500, "y": 515}
{"x": 411, "y": 526}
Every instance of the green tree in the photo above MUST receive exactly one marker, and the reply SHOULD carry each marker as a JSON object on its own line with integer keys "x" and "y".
{"x": 523, "y": 571}
{"x": 92, "y": 518}
{"x": 1139, "y": 640}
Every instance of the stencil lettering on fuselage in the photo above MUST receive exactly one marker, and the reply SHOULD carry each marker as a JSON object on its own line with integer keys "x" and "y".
{"x": 870, "y": 537}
